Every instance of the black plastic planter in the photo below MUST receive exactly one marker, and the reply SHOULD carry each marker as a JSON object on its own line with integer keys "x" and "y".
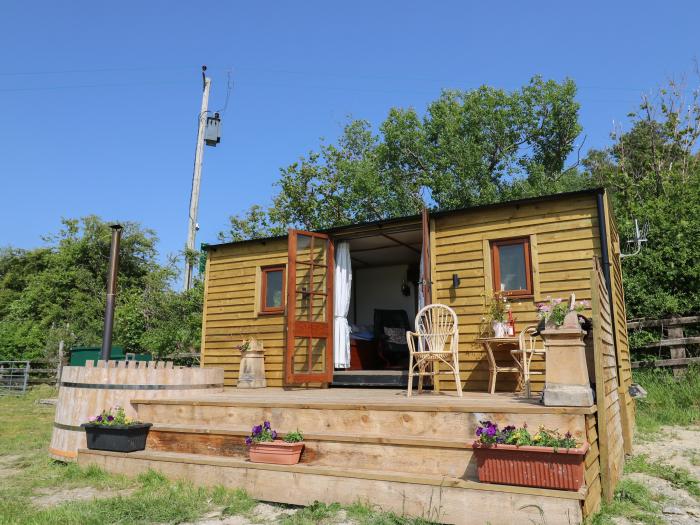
{"x": 117, "y": 438}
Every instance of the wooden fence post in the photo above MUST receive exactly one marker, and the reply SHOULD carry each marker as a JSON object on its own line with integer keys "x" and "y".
{"x": 59, "y": 367}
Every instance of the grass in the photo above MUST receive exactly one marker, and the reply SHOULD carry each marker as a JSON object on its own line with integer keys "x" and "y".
{"x": 26, "y": 431}
{"x": 669, "y": 401}
{"x": 680, "y": 478}
{"x": 149, "y": 498}
{"x": 633, "y": 501}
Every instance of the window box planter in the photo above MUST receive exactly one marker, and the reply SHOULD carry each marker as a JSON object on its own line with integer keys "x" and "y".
{"x": 542, "y": 467}
{"x": 116, "y": 438}
{"x": 277, "y": 452}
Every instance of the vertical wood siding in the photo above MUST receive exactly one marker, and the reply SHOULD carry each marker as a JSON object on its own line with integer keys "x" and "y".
{"x": 609, "y": 414}
{"x": 591, "y": 504}
{"x": 564, "y": 238}
{"x": 624, "y": 361}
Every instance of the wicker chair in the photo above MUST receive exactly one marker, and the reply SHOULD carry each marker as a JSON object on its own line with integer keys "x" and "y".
{"x": 528, "y": 347}
{"x": 436, "y": 324}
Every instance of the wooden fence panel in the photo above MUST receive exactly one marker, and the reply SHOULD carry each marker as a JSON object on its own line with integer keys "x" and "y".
{"x": 609, "y": 414}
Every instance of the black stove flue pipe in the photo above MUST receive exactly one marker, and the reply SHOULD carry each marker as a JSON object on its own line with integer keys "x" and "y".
{"x": 111, "y": 292}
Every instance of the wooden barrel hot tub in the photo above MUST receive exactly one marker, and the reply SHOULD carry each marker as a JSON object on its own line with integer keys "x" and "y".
{"x": 87, "y": 390}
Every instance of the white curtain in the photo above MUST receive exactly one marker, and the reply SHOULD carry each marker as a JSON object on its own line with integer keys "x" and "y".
{"x": 341, "y": 305}
{"x": 421, "y": 297}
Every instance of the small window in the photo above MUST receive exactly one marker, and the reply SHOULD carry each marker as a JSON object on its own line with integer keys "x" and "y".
{"x": 512, "y": 267}
{"x": 272, "y": 290}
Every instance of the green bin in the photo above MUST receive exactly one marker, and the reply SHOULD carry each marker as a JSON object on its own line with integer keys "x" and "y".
{"x": 82, "y": 354}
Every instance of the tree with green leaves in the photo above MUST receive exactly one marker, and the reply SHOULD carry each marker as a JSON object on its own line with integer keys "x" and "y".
{"x": 470, "y": 147}
{"x": 57, "y": 292}
{"x": 653, "y": 174}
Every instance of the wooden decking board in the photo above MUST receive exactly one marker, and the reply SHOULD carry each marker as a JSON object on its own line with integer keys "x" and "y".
{"x": 431, "y": 480}
{"x": 340, "y": 437}
{"x": 356, "y": 399}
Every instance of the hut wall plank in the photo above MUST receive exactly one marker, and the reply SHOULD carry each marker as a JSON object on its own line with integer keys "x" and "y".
{"x": 610, "y": 413}
{"x": 231, "y": 309}
{"x": 564, "y": 238}
{"x": 624, "y": 361}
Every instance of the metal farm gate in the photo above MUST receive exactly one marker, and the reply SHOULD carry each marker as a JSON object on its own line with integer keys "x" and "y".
{"x": 14, "y": 377}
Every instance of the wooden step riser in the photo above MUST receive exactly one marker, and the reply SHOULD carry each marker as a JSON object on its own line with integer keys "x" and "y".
{"x": 388, "y": 423}
{"x": 427, "y": 459}
{"x": 445, "y": 504}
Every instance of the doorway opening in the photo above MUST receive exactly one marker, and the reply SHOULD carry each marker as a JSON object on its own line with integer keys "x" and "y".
{"x": 384, "y": 299}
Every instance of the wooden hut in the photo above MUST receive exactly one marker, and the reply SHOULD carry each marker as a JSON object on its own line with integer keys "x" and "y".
{"x": 558, "y": 236}
{"x": 374, "y": 444}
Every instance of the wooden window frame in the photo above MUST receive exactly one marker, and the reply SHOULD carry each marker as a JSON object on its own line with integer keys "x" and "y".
{"x": 264, "y": 309}
{"x": 496, "y": 266}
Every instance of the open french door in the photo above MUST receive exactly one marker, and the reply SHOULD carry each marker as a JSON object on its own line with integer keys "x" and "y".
{"x": 426, "y": 282}
{"x": 309, "y": 355}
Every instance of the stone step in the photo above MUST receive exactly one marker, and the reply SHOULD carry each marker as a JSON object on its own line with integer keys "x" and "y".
{"x": 442, "y": 498}
{"x": 411, "y": 455}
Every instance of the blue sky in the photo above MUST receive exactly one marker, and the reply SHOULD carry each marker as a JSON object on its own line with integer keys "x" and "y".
{"x": 99, "y": 100}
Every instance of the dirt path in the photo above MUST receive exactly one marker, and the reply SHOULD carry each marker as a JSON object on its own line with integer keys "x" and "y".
{"x": 680, "y": 448}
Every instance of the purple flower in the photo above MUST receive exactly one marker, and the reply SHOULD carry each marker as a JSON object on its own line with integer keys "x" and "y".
{"x": 479, "y": 431}
{"x": 491, "y": 431}
{"x": 257, "y": 430}
{"x": 567, "y": 435}
{"x": 110, "y": 418}
{"x": 274, "y": 434}
{"x": 266, "y": 424}
{"x": 98, "y": 418}
{"x": 248, "y": 441}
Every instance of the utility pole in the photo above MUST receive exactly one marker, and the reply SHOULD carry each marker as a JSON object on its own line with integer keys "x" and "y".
{"x": 196, "y": 178}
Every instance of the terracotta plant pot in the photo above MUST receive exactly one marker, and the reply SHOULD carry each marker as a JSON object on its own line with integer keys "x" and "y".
{"x": 542, "y": 467}
{"x": 277, "y": 452}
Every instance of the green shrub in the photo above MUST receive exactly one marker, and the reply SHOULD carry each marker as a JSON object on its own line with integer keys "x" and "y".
{"x": 669, "y": 401}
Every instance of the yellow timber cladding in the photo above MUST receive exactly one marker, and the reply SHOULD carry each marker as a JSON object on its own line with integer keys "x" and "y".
{"x": 231, "y": 308}
{"x": 564, "y": 237}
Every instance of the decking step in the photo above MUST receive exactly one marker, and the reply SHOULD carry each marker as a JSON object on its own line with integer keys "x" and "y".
{"x": 403, "y": 417}
{"x": 393, "y": 453}
{"x": 439, "y": 498}
{"x": 343, "y": 437}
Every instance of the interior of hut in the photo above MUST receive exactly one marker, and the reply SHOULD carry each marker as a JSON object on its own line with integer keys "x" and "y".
{"x": 384, "y": 299}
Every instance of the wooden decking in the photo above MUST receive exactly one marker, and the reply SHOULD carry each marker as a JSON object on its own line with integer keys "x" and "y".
{"x": 374, "y": 399}
{"x": 408, "y": 455}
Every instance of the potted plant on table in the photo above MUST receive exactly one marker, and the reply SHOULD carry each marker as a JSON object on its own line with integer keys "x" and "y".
{"x": 513, "y": 456}
{"x": 497, "y": 308}
{"x": 112, "y": 430}
{"x": 265, "y": 446}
